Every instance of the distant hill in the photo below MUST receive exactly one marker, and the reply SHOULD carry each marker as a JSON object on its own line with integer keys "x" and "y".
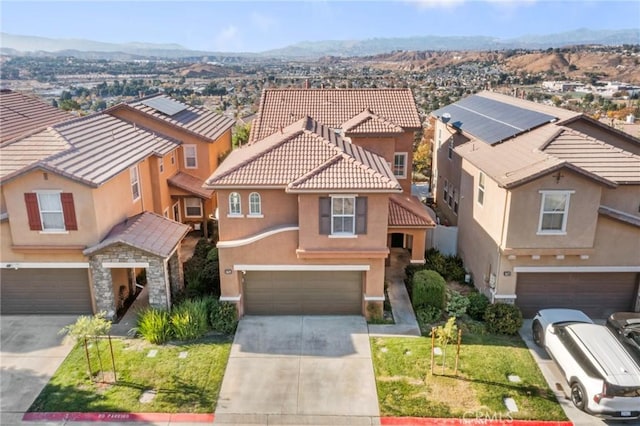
{"x": 12, "y": 44}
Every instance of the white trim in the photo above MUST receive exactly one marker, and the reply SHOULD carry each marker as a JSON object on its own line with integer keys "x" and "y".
{"x": 405, "y": 155}
{"x": 245, "y": 241}
{"x": 235, "y": 216}
{"x": 255, "y": 216}
{"x": 301, "y": 267}
{"x": 418, "y": 262}
{"x": 4, "y": 216}
{"x": 55, "y": 231}
{"x": 137, "y": 182}
{"x": 125, "y": 264}
{"x": 231, "y": 298}
{"x": 195, "y": 155}
{"x": 342, "y": 236}
{"x": 343, "y": 195}
{"x": 374, "y": 298}
{"x": 186, "y": 214}
{"x": 542, "y": 269}
{"x": 505, "y": 296}
{"x": 565, "y": 214}
{"x": 44, "y": 265}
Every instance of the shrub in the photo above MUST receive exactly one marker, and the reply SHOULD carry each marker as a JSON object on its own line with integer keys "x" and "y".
{"x": 153, "y": 325}
{"x": 223, "y": 317}
{"x": 450, "y": 267}
{"x": 189, "y": 320}
{"x": 457, "y": 304}
{"x": 201, "y": 272}
{"x": 429, "y": 289}
{"x": 428, "y": 316}
{"x": 503, "y": 318}
{"x": 478, "y": 303}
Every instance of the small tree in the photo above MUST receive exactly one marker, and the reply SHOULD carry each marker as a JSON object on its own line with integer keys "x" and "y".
{"x": 446, "y": 334}
{"x": 87, "y": 327}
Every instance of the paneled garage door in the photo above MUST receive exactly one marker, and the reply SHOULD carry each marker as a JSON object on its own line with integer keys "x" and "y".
{"x": 303, "y": 293}
{"x": 45, "y": 291}
{"x": 597, "y": 294}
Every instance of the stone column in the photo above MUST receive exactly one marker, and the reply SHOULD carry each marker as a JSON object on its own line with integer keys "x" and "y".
{"x": 176, "y": 274}
{"x": 102, "y": 287}
{"x": 157, "y": 285}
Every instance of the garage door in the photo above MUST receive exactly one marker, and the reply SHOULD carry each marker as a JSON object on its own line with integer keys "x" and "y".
{"x": 45, "y": 291}
{"x": 597, "y": 294}
{"x": 303, "y": 293}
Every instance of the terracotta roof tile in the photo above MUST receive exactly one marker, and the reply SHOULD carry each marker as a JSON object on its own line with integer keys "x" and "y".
{"x": 332, "y": 107}
{"x": 198, "y": 120}
{"x": 21, "y": 114}
{"x": 190, "y": 184}
{"x": 368, "y": 123}
{"x": 146, "y": 231}
{"x": 408, "y": 211}
{"x": 305, "y": 155}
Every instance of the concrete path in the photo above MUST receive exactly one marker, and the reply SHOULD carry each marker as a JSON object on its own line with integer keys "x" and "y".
{"x": 31, "y": 351}
{"x": 299, "y": 370}
{"x": 403, "y": 315}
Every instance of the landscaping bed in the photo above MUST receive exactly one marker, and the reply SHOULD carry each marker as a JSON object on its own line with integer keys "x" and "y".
{"x": 180, "y": 378}
{"x": 407, "y": 388}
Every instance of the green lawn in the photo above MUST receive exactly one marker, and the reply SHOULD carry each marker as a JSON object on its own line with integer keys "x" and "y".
{"x": 406, "y": 387}
{"x": 189, "y": 385}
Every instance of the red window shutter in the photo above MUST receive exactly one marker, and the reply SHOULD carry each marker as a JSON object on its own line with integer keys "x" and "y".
{"x": 33, "y": 211}
{"x": 69, "y": 211}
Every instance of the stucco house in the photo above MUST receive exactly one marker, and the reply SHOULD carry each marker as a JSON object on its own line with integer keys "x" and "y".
{"x": 546, "y": 202}
{"x": 308, "y": 209}
{"x": 89, "y": 202}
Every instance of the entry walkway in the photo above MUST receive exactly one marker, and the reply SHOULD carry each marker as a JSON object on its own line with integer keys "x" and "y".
{"x": 403, "y": 314}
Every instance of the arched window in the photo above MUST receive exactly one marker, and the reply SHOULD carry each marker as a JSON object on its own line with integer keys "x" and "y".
{"x": 234, "y": 204}
{"x": 255, "y": 207}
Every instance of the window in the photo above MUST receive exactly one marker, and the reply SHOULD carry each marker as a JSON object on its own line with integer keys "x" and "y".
{"x": 255, "y": 207}
{"x": 553, "y": 212}
{"x": 455, "y": 202}
{"x": 51, "y": 211}
{"x": 135, "y": 182}
{"x": 400, "y": 164}
{"x": 343, "y": 215}
{"x": 193, "y": 207}
{"x": 481, "y": 189}
{"x": 161, "y": 165}
{"x": 166, "y": 213}
{"x": 446, "y": 191}
{"x": 452, "y": 193}
{"x": 173, "y": 157}
{"x": 450, "y": 150}
{"x": 190, "y": 157}
{"x": 234, "y": 204}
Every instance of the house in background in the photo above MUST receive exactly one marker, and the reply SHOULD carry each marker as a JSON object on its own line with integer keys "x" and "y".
{"x": 546, "y": 202}
{"x": 89, "y": 202}
{"x": 309, "y": 208}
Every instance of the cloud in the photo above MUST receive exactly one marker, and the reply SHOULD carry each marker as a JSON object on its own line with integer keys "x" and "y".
{"x": 436, "y": 4}
{"x": 262, "y": 22}
{"x": 228, "y": 39}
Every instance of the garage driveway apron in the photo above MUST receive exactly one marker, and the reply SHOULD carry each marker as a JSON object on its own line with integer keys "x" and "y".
{"x": 300, "y": 366}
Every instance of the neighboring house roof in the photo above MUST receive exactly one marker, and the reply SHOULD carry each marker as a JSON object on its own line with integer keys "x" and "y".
{"x": 305, "y": 156}
{"x": 190, "y": 184}
{"x": 619, "y": 215}
{"x": 406, "y": 211}
{"x": 21, "y": 114}
{"x": 333, "y": 107}
{"x": 197, "y": 120}
{"x": 146, "y": 231}
{"x": 369, "y": 123}
{"x": 91, "y": 149}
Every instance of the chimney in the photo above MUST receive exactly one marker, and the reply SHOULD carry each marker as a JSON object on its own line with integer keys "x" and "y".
{"x": 306, "y": 84}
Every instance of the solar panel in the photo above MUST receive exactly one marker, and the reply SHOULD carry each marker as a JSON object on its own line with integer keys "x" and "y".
{"x": 164, "y": 105}
{"x": 492, "y": 121}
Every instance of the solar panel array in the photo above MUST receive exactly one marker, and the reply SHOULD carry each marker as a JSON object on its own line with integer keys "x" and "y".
{"x": 492, "y": 121}
{"x": 164, "y": 105}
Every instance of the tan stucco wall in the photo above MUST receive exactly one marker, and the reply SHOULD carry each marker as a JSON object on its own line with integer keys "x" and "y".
{"x": 625, "y": 198}
{"x": 581, "y": 220}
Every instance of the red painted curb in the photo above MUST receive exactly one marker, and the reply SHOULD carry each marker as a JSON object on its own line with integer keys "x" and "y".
{"x": 120, "y": 417}
{"x": 469, "y": 421}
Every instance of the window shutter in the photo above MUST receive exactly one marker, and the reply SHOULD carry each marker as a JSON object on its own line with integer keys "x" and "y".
{"x": 69, "y": 211}
{"x": 325, "y": 215}
{"x": 33, "y": 211}
{"x": 361, "y": 215}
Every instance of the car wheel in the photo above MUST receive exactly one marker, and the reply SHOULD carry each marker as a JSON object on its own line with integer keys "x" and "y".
{"x": 538, "y": 334}
{"x": 578, "y": 396}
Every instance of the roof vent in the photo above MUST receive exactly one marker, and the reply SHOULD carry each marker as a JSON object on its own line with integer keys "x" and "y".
{"x": 446, "y": 117}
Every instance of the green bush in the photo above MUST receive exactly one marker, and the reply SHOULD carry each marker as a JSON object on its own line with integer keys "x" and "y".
{"x": 189, "y": 320}
{"x": 478, "y": 303}
{"x": 223, "y": 317}
{"x": 457, "y": 304}
{"x": 450, "y": 267}
{"x": 202, "y": 271}
{"x": 429, "y": 289}
{"x": 427, "y": 317}
{"x": 154, "y": 325}
{"x": 503, "y": 318}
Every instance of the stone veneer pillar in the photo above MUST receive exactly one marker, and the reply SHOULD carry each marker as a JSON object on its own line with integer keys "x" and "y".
{"x": 176, "y": 274}
{"x": 156, "y": 282}
{"x": 102, "y": 283}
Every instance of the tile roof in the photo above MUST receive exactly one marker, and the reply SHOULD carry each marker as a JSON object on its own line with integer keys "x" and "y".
{"x": 146, "y": 231}
{"x": 407, "y": 211}
{"x": 190, "y": 184}
{"x": 332, "y": 107}
{"x": 305, "y": 156}
{"x": 21, "y": 114}
{"x": 91, "y": 149}
{"x": 197, "y": 120}
{"x": 368, "y": 123}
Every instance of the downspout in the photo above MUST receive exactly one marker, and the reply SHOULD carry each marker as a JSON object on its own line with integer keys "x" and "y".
{"x": 507, "y": 199}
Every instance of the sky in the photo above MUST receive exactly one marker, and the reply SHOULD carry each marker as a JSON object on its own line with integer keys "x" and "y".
{"x": 256, "y": 26}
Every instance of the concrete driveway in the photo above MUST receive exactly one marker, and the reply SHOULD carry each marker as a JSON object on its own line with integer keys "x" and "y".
{"x": 297, "y": 369}
{"x": 560, "y": 387}
{"x": 31, "y": 351}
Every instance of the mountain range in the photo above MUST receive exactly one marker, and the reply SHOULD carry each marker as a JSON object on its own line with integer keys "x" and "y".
{"x": 12, "y": 44}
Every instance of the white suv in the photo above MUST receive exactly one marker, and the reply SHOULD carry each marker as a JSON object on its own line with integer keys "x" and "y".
{"x": 603, "y": 378}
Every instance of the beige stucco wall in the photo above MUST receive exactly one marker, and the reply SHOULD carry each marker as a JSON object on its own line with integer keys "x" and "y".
{"x": 625, "y": 198}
